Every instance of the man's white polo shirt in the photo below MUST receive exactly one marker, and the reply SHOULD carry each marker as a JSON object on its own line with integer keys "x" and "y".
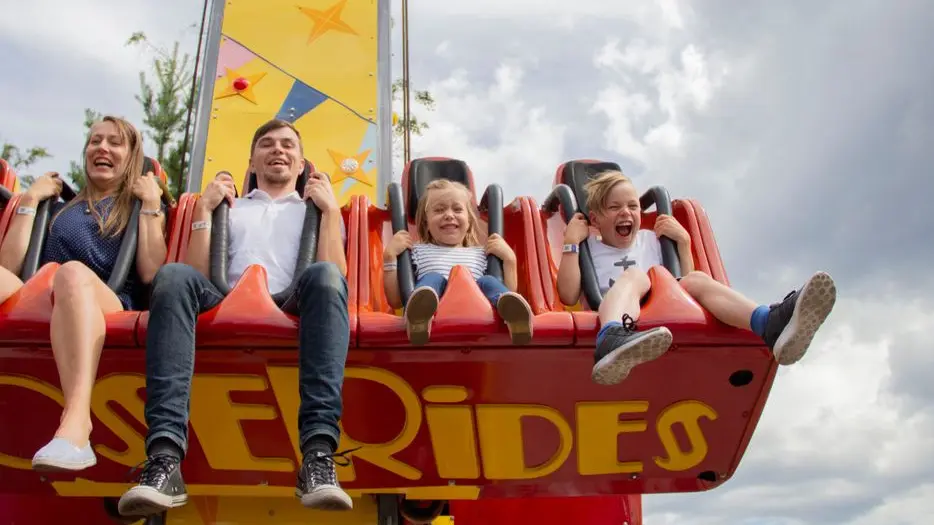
{"x": 267, "y": 232}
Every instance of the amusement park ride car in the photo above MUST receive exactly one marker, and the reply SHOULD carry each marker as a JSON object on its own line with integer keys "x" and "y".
{"x": 468, "y": 425}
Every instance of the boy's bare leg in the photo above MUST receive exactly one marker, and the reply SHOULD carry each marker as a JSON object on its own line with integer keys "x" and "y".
{"x": 620, "y": 347}
{"x": 786, "y": 327}
{"x": 725, "y": 303}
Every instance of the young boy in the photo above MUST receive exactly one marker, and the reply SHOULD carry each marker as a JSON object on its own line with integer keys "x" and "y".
{"x": 621, "y": 257}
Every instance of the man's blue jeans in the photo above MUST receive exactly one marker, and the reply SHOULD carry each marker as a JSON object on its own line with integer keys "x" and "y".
{"x": 180, "y": 293}
{"x": 491, "y": 287}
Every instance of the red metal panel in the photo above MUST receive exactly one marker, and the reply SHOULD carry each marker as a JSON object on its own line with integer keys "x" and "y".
{"x": 607, "y": 510}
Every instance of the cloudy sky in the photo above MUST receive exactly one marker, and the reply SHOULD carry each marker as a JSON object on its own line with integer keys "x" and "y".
{"x": 804, "y": 128}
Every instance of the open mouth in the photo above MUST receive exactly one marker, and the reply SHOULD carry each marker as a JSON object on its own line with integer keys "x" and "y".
{"x": 103, "y": 162}
{"x": 624, "y": 229}
{"x": 449, "y": 227}
{"x": 278, "y": 162}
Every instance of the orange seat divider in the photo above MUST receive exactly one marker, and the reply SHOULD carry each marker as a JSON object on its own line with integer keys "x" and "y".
{"x": 25, "y": 316}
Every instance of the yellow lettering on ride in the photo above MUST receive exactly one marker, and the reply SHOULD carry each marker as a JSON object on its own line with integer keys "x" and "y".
{"x": 122, "y": 390}
{"x": 687, "y": 413}
{"x": 40, "y": 387}
{"x": 216, "y": 421}
{"x": 451, "y": 429}
{"x": 380, "y": 454}
{"x": 598, "y": 430}
{"x": 283, "y": 380}
{"x": 500, "y": 431}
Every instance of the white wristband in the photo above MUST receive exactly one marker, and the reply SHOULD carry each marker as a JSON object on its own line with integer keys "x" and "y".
{"x": 25, "y": 210}
{"x": 200, "y": 225}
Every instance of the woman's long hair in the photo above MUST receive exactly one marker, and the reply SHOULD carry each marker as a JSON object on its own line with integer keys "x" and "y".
{"x": 119, "y": 214}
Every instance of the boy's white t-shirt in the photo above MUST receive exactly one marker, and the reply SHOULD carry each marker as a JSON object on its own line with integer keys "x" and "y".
{"x": 610, "y": 262}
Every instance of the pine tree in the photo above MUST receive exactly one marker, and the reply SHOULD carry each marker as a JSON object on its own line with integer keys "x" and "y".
{"x": 166, "y": 104}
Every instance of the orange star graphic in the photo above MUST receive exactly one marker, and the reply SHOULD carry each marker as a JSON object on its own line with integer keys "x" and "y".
{"x": 349, "y": 166}
{"x": 232, "y": 80}
{"x": 326, "y": 20}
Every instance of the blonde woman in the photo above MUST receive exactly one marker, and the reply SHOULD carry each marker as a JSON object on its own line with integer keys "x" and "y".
{"x": 84, "y": 237}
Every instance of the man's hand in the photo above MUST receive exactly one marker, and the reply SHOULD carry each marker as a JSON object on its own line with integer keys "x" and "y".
{"x": 318, "y": 189}
{"x": 222, "y": 187}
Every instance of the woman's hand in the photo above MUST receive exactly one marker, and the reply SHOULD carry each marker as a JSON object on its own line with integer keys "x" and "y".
{"x": 45, "y": 187}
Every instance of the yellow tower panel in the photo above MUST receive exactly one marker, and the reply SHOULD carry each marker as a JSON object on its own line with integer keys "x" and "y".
{"x": 311, "y": 62}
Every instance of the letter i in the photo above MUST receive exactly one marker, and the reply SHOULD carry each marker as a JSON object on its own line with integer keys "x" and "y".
{"x": 452, "y": 431}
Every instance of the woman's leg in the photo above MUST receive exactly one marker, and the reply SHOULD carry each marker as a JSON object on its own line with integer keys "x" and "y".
{"x": 786, "y": 327}
{"x": 9, "y": 284}
{"x": 620, "y": 346}
{"x": 81, "y": 300}
{"x": 512, "y": 307}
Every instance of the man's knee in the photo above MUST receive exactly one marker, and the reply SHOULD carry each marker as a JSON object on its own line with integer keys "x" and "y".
{"x": 173, "y": 277}
{"x": 322, "y": 278}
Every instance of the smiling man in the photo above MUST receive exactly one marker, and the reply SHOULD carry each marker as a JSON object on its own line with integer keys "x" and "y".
{"x": 265, "y": 228}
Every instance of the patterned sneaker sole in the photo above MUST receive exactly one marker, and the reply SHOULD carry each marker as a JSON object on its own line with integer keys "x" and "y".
{"x": 815, "y": 301}
{"x": 418, "y": 313}
{"x": 146, "y": 501}
{"x": 518, "y": 317}
{"x": 50, "y": 465}
{"x": 616, "y": 365}
{"x": 326, "y": 498}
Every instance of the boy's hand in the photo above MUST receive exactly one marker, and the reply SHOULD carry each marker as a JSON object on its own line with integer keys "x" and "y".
{"x": 577, "y": 229}
{"x": 668, "y": 226}
{"x": 496, "y": 245}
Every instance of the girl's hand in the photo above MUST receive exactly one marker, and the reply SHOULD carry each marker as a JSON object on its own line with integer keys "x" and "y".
{"x": 496, "y": 245}
{"x": 399, "y": 243}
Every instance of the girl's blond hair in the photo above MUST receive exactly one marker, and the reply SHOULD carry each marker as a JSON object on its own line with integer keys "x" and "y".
{"x": 421, "y": 214}
{"x": 598, "y": 189}
{"x": 119, "y": 215}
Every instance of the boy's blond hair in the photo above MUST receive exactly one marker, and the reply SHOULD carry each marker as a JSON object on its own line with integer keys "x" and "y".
{"x": 598, "y": 189}
{"x": 421, "y": 214}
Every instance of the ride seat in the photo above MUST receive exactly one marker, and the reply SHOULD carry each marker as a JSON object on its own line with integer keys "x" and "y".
{"x": 8, "y": 183}
{"x": 667, "y": 303}
{"x": 249, "y": 316}
{"x": 464, "y": 316}
{"x": 25, "y": 316}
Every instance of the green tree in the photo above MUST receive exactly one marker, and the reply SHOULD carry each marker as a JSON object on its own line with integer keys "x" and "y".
{"x": 416, "y": 126}
{"x": 166, "y": 103}
{"x": 20, "y": 159}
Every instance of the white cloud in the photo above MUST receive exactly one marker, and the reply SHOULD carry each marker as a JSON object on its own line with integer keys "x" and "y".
{"x": 502, "y": 137}
{"x": 653, "y": 87}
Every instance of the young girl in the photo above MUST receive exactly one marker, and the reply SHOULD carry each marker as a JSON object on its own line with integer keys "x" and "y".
{"x": 447, "y": 229}
{"x": 623, "y": 254}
